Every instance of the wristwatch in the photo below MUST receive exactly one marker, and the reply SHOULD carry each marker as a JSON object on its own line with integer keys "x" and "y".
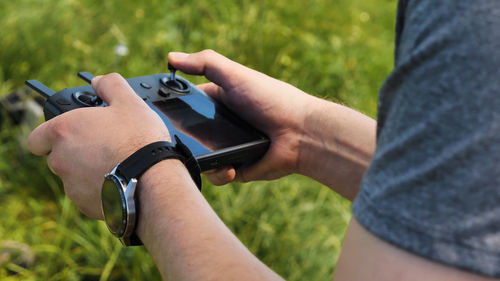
{"x": 119, "y": 201}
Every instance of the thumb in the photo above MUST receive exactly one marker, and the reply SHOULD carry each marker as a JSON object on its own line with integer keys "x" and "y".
{"x": 113, "y": 89}
{"x": 214, "y": 66}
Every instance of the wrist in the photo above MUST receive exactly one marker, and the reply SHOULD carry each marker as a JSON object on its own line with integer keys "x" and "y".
{"x": 160, "y": 189}
{"x": 312, "y": 122}
{"x": 336, "y": 146}
{"x": 296, "y": 127}
{"x": 120, "y": 202}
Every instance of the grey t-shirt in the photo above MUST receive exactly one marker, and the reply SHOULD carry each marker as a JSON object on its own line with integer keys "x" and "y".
{"x": 433, "y": 187}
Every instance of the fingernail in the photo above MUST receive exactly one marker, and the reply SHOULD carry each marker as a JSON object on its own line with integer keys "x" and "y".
{"x": 178, "y": 55}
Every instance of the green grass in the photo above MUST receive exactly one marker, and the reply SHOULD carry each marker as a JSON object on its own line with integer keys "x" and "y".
{"x": 340, "y": 50}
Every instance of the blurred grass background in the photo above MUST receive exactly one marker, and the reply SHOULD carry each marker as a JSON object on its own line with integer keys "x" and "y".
{"x": 340, "y": 50}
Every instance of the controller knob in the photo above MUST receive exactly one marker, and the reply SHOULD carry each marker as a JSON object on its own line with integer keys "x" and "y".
{"x": 87, "y": 98}
{"x": 177, "y": 86}
{"x": 172, "y": 71}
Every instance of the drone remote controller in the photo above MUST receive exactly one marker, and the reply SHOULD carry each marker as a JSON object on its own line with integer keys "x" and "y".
{"x": 215, "y": 135}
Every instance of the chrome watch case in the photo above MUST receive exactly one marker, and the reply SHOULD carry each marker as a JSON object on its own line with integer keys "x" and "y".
{"x": 122, "y": 223}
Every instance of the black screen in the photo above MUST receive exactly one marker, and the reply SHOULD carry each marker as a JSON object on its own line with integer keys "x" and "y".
{"x": 203, "y": 125}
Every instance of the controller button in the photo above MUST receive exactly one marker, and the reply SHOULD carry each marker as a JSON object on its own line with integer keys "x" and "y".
{"x": 163, "y": 92}
{"x": 146, "y": 85}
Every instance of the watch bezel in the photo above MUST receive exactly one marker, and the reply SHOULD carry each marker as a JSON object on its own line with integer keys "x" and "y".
{"x": 128, "y": 206}
{"x": 131, "y": 212}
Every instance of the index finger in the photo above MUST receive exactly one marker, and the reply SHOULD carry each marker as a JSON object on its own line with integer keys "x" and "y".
{"x": 39, "y": 141}
{"x": 113, "y": 89}
{"x": 221, "y": 176}
{"x": 216, "y": 67}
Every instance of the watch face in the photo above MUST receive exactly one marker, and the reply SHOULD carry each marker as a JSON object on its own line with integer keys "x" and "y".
{"x": 113, "y": 205}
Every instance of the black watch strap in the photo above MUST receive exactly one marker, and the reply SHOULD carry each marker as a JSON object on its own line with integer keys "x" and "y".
{"x": 139, "y": 162}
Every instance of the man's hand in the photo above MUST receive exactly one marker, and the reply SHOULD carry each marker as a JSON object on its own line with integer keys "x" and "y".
{"x": 83, "y": 145}
{"x": 182, "y": 233}
{"x": 274, "y": 107}
{"x": 323, "y": 140}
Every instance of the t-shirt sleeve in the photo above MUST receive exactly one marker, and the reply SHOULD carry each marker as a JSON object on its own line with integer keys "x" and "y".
{"x": 433, "y": 187}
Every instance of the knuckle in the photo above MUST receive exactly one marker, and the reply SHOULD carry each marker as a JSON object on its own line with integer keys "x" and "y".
{"x": 59, "y": 130}
{"x": 112, "y": 76}
{"x": 209, "y": 53}
{"x": 110, "y": 84}
{"x": 109, "y": 78}
{"x": 57, "y": 166}
{"x": 112, "y": 79}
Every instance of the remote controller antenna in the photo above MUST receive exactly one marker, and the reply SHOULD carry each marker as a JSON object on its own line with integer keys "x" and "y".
{"x": 45, "y": 91}
{"x": 172, "y": 72}
{"x": 86, "y": 76}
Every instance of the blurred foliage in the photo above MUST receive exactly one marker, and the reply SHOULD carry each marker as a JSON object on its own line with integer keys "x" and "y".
{"x": 340, "y": 50}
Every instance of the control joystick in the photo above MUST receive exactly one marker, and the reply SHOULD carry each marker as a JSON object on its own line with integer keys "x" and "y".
{"x": 172, "y": 70}
{"x": 171, "y": 83}
{"x": 87, "y": 98}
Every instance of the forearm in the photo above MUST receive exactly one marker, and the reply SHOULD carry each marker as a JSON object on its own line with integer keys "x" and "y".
{"x": 184, "y": 235}
{"x": 337, "y": 144}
